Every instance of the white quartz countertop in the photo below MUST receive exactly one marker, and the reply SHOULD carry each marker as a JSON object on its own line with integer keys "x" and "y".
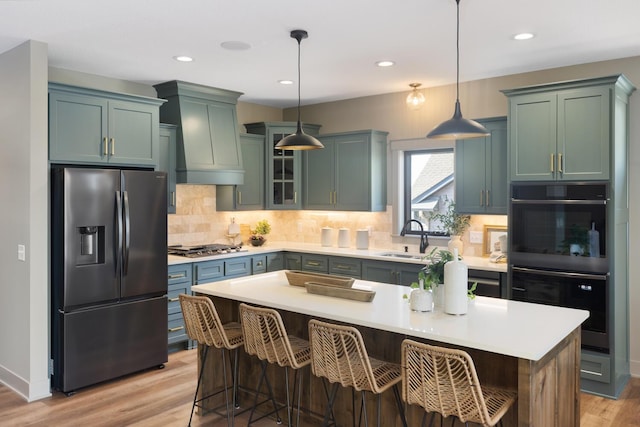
{"x": 479, "y": 263}
{"x": 512, "y": 328}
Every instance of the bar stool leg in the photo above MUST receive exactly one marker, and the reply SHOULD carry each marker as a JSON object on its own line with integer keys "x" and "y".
{"x": 403, "y": 417}
{"x": 195, "y": 396}
{"x": 329, "y": 411}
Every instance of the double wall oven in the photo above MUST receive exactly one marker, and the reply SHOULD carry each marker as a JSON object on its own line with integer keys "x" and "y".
{"x": 558, "y": 251}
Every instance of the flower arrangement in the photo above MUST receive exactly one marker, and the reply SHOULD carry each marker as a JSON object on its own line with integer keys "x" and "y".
{"x": 453, "y": 223}
{"x": 257, "y": 234}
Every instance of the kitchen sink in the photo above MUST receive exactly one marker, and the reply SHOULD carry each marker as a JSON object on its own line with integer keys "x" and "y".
{"x": 401, "y": 255}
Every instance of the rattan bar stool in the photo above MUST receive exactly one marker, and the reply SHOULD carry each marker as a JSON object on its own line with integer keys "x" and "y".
{"x": 338, "y": 354}
{"x": 266, "y": 337}
{"x": 445, "y": 381}
{"x": 203, "y": 325}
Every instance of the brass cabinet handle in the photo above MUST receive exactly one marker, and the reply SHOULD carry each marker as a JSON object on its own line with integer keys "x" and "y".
{"x": 177, "y": 276}
{"x": 173, "y": 198}
{"x": 330, "y": 197}
{"x": 341, "y": 267}
{"x": 553, "y": 158}
{"x": 335, "y": 197}
{"x": 174, "y": 299}
{"x": 481, "y": 197}
{"x": 113, "y": 146}
{"x": 314, "y": 263}
{"x": 487, "y": 199}
{"x": 105, "y": 146}
{"x": 295, "y": 197}
{"x": 179, "y": 328}
{"x": 560, "y": 162}
{"x": 239, "y": 195}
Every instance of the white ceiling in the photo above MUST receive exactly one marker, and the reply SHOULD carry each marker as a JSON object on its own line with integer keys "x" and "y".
{"x": 137, "y": 39}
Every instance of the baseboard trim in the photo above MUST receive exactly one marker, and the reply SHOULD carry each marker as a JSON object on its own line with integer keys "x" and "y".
{"x": 28, "y": 391}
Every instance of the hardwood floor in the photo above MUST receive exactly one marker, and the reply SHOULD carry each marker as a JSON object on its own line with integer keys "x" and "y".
{"x": 163, "y": 398}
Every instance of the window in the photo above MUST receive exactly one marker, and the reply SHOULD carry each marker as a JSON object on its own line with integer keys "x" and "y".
{"x": 428, "y": 182}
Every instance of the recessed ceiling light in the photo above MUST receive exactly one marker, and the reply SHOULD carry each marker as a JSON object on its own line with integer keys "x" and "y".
{"x": 385, "y": 63}
{"x": 183, "y": 58}
{"x": 235, "y": 45}
{"x": 523, "y": 36}
{"x": 285, "y": 82}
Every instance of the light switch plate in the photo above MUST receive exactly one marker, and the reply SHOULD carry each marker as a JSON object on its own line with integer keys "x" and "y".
{"x": 21, "y": 253}
{"x": 475, "y": 237}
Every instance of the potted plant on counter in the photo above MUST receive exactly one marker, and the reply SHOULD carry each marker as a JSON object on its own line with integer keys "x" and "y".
{"x": 430, "y": 280}
{"x": 453, "y": 223}
{"x": 258, "y": 234}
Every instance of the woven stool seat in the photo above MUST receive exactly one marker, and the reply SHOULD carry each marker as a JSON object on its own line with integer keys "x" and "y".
{"x": 340, "y": 356}
{"x": 445, "y": 381}
{"x": 203, "y": 325}
{"x": 266, "y": 338}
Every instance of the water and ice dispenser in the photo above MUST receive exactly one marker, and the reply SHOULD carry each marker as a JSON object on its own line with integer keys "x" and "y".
{"x": 91, "y": 245}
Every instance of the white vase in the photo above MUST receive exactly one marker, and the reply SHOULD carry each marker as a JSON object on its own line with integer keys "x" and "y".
{"x": 456, "y": 277}
{"x": 421, "y": 300}
{"x": 455, "y": 243}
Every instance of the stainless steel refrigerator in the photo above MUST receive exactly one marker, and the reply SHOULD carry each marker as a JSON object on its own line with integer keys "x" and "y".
{"x": 109, "y": 274}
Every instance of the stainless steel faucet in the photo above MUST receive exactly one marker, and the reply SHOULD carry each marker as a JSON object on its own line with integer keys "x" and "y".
{"x": 424, "y": 241}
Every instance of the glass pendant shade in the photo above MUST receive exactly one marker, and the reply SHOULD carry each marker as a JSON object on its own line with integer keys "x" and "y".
{"x": 415, "y": 99}
{"x": 299, "y": 140}
{"x": 457, "y": 127}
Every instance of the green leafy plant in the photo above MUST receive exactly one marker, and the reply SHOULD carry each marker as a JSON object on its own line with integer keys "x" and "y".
{"x": 262, "y": 229}
{"x": 433, "y": 273}
{"x": 453, "y": 223}
{"x": 471, "y": 292}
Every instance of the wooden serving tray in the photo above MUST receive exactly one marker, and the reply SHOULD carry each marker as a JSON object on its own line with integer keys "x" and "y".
{"x": 339, "y": 292}
{"x": 299, "y": 278}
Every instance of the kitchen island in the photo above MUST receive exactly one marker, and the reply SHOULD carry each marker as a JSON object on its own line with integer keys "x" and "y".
{"x": 534, "y": 349}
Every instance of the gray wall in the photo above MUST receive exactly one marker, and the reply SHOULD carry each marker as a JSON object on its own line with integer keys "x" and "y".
{"x": 24, "y": 286}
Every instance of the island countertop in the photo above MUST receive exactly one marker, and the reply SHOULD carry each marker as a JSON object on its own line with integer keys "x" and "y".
{"x": 522, "y": 330}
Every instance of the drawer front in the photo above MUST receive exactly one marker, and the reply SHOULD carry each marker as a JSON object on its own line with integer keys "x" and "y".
{"x": 172, "y": 297}
{"x": 180, "y": 273}
{"x": 177, "y": 331}
{"x": 237, "y": 267}
{"x": 293, "y": 261}
{"x": 316, "y": 263}
{"x": 259, "y": 264}
{"x": 351, "y": 267}
{"x": 208, "y": 271}
{"x": 595, "y": 367}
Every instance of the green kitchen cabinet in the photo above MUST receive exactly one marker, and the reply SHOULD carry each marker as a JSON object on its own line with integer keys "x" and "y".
{"x": 564, "y": 131}
{"x": 390, "y": 272}
{"x": 275, "y": 262}
{"x": 293, "y": 261}
{"x": 94, "y": 127}
{"x": 179, "y": 282}
{"x": 167, "y": 162}
{"x": 345, "y": 266}
{"x": 315, "y": 263}
{"x": 250, "y": 195}
{"x": 349, "y": 174}
{"x": 481, "y": 171}
{"x": 283, "y": 168}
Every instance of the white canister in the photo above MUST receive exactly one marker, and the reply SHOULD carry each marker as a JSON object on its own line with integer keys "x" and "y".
{"x": 456, "y": 277}
{"x": 343, "y": 238}
{"x": 362, "y": 239}
{"x": 326, "y": 236}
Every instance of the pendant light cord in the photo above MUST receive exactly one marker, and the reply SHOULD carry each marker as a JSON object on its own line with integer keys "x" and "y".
{"x": 299, "y": 81}
{"x": 457, "y": 50}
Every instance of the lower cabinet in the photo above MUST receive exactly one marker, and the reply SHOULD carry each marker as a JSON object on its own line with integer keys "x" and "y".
{"x": 275, "y": 262}
{"x": 315, "y": 263}
{"x": 351, "y": 267}
{"x": 179, "y": 282}
{"x": 390, "y": 272}
{"x": 489, "y": 283}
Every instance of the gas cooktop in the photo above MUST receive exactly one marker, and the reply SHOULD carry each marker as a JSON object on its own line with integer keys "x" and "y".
{"x": 197, "y": 251}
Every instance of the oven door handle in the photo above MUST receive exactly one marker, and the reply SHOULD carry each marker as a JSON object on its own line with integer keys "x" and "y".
{"x": 557, "y": 202}
{"x": 562, "y": 273}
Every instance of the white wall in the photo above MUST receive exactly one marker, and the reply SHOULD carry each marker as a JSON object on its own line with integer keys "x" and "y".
{"x": 24, "y": 286}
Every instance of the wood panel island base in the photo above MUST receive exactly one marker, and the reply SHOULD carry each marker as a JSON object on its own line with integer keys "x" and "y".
{"x": 530, "y": 348}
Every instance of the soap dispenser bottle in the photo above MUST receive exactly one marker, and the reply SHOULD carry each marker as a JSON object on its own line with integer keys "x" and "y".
{"x": 456, "y": 277}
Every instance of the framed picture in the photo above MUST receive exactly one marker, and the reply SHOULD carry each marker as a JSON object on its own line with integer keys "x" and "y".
{"x": 492, "y": 234}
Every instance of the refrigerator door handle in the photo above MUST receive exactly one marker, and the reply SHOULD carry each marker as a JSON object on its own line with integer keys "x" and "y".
{"x": 119, "y": 231}
{"x": 127, "y": 232}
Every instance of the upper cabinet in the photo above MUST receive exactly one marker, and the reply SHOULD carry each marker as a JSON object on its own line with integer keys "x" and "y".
{"x": 564, "y": 131}
{"x": 349, "y": 174}
{"x": 207, "y": 139}
{"x": 94, "y": 127}
{"x": 250, "y": 195}
{"x": 167, "y": 162}
{"x": 283, "y": 174}
{"x": 481, "y": 171}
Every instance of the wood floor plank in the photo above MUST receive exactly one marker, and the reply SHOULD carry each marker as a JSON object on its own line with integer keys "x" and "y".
{"x": 159, "y": 398}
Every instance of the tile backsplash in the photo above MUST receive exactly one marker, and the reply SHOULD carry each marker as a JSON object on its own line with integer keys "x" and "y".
{"x": 197, "y": 221}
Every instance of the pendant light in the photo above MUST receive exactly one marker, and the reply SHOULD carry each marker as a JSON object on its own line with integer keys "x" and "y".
{"x": 299, "y": 140}
{"x": 457, "y": 127}
{"x": 415, "y": 99}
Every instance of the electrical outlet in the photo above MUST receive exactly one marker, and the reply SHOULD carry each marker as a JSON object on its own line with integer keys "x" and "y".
{"x": 21, "y": 253}
{"x": 475, "y": 237}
